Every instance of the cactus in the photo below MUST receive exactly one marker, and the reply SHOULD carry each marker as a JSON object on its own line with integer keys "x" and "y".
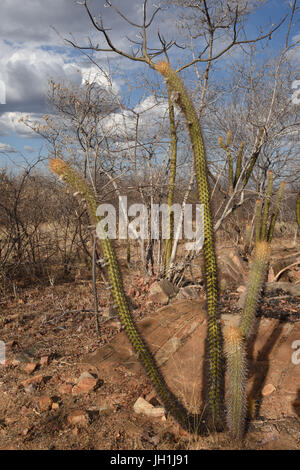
{"x": 255, "y": 284}
{"x": 275, "y": 212}
{"x": 229, "y": 158}
{"x": 235, "y": 344}
{"x": 172, "y": 177}
{"x": 236, "y": 338}
{"x": 254, "y": 156}
{"x": 63, "y": 170}
{"x": 215, "y": 375}
{"x": 257, "y": 220}
{"x": 232, "y": 179}
{"x": 263, "y": 234}
{"x": 236, "y": 399}
{"x": 238, "y": 167}
{"x": 248, "y": 236}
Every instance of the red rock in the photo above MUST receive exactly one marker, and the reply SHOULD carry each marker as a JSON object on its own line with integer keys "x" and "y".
{"x": 78, "y": 418}
{"x": 44, "y": 361}
{"x": 37, "y": 379}
{"x": 45, "y": 403}
{"x": 65, "y": 389}
{"x": 30, "y": 367}
{"x": 25, "y": 431}
{"x": 86, "y": 383}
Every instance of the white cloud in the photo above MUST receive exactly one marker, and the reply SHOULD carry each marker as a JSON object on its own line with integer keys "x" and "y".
{"x": 10, "y": 123}
{"x": 6, "y": 148}
{"x": 94, "y": 74}
{"x": 153, "y": 117}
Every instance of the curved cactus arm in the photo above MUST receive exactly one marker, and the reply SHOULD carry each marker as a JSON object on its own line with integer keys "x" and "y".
{"x": 215, "y": 372}
{"x": 63, "y": 170}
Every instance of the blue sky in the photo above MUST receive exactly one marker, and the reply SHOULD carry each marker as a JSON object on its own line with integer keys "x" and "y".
{"x": 31, "y": 52}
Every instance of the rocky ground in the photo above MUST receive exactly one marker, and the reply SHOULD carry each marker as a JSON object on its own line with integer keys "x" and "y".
{"x": 66, "y": 386}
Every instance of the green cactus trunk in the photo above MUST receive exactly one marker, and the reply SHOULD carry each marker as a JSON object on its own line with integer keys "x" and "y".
{"x": 236, "y": 399}
{"x": 255, "y": 284}
{"x": 215, "y": 374}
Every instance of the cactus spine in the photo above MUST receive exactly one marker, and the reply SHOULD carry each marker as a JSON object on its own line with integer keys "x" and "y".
{"x": 214, "y": 334}
{"x": 63, "y": 170}
{"x": 236, "y": 399}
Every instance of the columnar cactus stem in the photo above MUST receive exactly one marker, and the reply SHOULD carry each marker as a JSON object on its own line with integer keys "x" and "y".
{"x": 257, "y": 220}
{"x": 238, "y": 164}
{"x": 275, "y": 211}
{"x": 263, "y": 235}
{"x": 79, "y": 184}
{"x": 255, "y": 283}
{"x": 215, "y": 375}
{"x": 172, "y": 177}
{"x": 236, "y": 399}
{"x": 254, "y": 156}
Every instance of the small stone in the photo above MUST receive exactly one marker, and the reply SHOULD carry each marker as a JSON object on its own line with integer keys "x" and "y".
{"x": 65, "y": 389}
{"x": 188, "y": 293}
{"x": 142, "y": 406}
{"x": 45, "y": 403}
{"x": 30, "y": 367}
{"x": 55, "y": 406}
{"x": 15, "y": 362}
{"x": 267, "y": 390}
{"x": 132, "y": 292}
{"x": 86, "y": 375}
{"x": 44, "y": 361}
{"x": 78, "y": 418}
{"x": 37, "y": 379}
{"x": 86, "y": 383}
{"x": 241, "y": 289}
{"x": 158, "y": 294}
